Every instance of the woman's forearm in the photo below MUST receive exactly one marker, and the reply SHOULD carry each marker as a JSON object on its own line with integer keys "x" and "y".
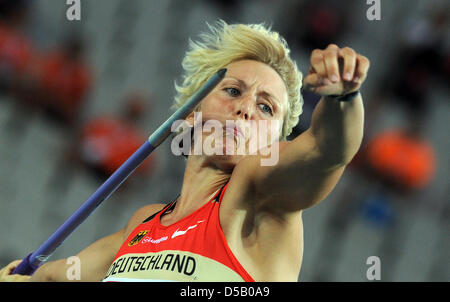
{"x": 338, "y": 128}
{"x": 50, "y": 271}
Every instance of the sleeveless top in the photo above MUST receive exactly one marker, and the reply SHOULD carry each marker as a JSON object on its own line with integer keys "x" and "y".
{"x": 191, "y": 249}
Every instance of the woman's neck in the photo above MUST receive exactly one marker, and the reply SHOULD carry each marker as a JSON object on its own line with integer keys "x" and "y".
{"x": 200, "y": 183}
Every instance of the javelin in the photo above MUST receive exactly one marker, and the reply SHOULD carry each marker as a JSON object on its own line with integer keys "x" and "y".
{"x": 32, "y": 262}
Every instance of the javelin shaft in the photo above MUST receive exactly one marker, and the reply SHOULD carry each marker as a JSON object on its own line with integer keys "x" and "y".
{"x": 35, "y": 259}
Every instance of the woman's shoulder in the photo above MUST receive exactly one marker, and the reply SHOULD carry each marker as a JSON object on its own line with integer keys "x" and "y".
{"x": 140, "y": 215}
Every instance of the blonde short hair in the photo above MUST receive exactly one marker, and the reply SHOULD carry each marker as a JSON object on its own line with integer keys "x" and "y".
{"x": 229, "y": 43}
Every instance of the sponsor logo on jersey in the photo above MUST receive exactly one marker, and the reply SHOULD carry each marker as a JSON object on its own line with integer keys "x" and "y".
{"x": 179, "y": 233}
{"x": 149, "y": 239}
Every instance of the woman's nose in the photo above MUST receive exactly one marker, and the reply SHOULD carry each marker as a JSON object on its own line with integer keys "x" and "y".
{"x": 244, "y": 108}
{"x": 243, "y": 114}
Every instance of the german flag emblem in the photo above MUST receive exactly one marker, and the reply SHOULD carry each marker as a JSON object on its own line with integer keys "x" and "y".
{"x": 136, "y": 239}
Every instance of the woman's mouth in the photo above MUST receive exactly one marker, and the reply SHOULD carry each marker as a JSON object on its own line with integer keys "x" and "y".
{"x": 235, "y": 130}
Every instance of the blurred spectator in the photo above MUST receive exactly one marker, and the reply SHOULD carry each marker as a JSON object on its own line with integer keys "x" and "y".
{"x": 15, "y": 47}
{"x": 377, "y": 209}
{"x": 107, "y": 141}
{"x": 401, "y": 159}
{"x": 63, "y": 80}
{"x": 315, "y": 24}
{"x": 394, "y": 162}
{"x": 421, "y": 59}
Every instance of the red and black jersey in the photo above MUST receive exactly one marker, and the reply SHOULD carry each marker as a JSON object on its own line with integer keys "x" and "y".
{"x": 192, "y": 249}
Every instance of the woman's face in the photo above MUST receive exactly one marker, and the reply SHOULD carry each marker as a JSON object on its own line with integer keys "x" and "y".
{"x": 250, "y": 103}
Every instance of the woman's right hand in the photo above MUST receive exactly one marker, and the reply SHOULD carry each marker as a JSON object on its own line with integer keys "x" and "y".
{"x": 6, "y": 276}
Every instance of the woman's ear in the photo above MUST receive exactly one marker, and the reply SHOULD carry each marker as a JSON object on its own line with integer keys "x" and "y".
{"x": 190, "y": 119}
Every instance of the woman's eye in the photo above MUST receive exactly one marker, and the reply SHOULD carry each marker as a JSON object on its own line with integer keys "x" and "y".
{"x": 266, "y": 108}
{"x": 233, "y": 91}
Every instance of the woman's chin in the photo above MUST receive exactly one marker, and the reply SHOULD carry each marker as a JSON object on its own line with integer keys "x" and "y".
{"x": 225, "y": 162}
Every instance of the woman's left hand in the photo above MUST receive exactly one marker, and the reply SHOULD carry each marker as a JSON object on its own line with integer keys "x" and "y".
{"x": 6, "y": 276}
{"x": 336, "y": 71}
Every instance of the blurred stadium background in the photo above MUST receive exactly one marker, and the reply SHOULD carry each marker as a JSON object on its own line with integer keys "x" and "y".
{"x": 74, "y": 93}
